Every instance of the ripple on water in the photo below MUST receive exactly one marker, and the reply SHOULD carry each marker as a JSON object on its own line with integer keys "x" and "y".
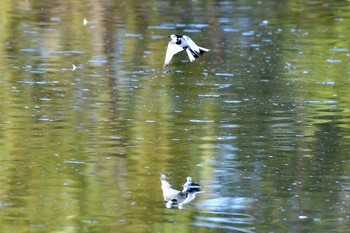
{"x": 163, "y": 27}
{"x": 133, "y": 35}
{"x": 233, "y": 101}
{"x": 229, "y": 29}
{"x": 334, "y": 60}
{"x": 326, "y": 83}
{"x": 33, "y": 82}
{"x": 225, "y": 213}
{"x": 209, "y": 95}
{"x": 192, "y": 30}
{"x": 337, "y": 49}
{"x": 224, "y": 74}
{"x": 189, "y": 27}
{"x": 201, "y": 121}
{"x": 321, "y": 102}
{"x": 248, "y": 33}
{"x": 98, "y": 61}
{"x": 30, "y": 50}
{"x": 223, "y": 85}
{"x": 193, "y": 25}
{"x": 43, "y": 51}
{"x": 227, "y": 204}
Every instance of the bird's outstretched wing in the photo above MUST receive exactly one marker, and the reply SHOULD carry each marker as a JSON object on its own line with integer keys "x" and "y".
{"x": 193, "y": 50}
{"x": 191, "y": 55}
{"x": 170, "y": 52}
{"x": 191, "y": 44}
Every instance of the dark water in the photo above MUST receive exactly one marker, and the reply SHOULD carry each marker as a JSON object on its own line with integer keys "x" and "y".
{"x": 262, "y": 121}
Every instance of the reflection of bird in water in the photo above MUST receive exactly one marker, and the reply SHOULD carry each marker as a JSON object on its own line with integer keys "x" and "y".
{"x": 189, "y": 186}
{"x": 168, "y": 192}
{"x": 174, "y": 197}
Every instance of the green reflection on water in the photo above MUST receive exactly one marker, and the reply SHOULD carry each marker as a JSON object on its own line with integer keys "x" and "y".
{"x": 262, "y": 117}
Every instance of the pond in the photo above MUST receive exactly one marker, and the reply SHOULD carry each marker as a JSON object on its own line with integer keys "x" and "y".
{"x": 90, "y": 119}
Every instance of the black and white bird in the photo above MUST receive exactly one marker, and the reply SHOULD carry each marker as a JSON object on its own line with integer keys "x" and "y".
{"x": 175, "y": 198}
{"x": 179, "y": 43}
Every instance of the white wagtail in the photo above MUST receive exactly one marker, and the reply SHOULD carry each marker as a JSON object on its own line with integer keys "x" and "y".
{"x": 179, "y": 43}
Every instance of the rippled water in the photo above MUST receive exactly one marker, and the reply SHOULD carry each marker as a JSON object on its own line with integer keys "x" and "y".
{"x": 89, "y": 119}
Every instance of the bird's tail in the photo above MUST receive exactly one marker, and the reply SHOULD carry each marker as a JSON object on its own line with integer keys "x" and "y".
{"x": 193, "y": 55}
{"x": 203, "y": 50}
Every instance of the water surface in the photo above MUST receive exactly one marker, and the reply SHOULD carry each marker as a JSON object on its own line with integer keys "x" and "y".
{"x": 89, "y": 119}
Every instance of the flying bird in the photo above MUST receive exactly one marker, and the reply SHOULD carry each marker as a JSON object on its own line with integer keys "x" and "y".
{"x": 179, "y": 43}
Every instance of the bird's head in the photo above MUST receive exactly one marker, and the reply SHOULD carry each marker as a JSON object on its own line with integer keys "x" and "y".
{"x": 174, "y": 37}
{"x": 162, "y": 177}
